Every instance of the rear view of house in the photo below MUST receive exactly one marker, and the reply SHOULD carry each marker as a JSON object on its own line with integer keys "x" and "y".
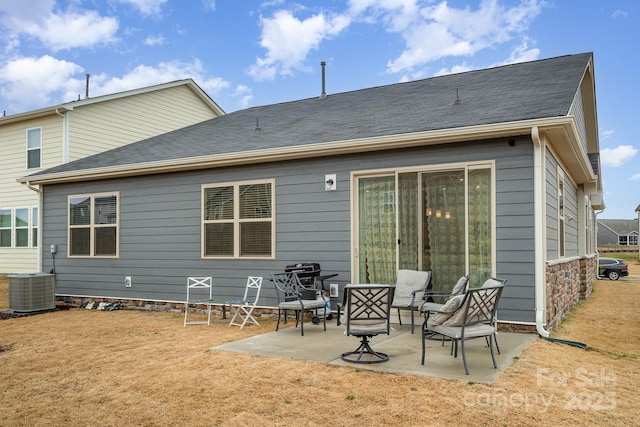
{"x": 492, "y": 172}
{"x": 41, "y": 139}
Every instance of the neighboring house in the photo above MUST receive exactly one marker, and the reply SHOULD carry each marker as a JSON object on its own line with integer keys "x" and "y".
{"x": 491, "y": 172}
{"x": 617, "y": 232}
{"x": 40, "y": 139}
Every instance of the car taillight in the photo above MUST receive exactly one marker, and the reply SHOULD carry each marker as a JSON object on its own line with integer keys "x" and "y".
{"x": 625, "y": 266}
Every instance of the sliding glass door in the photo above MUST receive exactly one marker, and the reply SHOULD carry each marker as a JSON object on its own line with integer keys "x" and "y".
{"x": 439, "y": 220}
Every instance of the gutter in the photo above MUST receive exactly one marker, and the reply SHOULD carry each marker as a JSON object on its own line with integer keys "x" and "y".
{"x": 321, "y": 149}
{"x": 65, "y": 137}
{"x": 39, "y": 192}
{"x": 539, "y": 231}
{"x": 540, "y": 240}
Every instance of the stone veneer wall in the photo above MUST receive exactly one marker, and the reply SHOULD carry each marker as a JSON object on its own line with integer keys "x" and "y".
{"x": 568, "y": 283}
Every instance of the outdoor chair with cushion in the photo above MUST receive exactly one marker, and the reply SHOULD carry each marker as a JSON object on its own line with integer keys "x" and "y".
{"x": 293, "y": 296}
{"x": 409, "y": 291}
{"x": 367, "y": 313}
{"x": 242, "y": 309}
{"x": 199, "y": 292}
{"x": 464, "y": 317}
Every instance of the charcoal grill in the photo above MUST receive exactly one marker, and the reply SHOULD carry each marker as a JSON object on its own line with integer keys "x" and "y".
{"x": 307, "y": 272}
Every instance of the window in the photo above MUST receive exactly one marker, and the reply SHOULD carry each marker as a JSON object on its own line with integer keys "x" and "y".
{"x": 238, "y": 220}
{"x": 34, "y": 227}
{"x": 633, "y": 240}
{"x": 22, "y": 227}
{"x": 34, "y": 146}
{"x": 622, "y": 240}
{"x": 93, "y": 225}
{"x": 443, "y": 221}
{"x": 5, "y": 228}
{"x": 561, "y": 216}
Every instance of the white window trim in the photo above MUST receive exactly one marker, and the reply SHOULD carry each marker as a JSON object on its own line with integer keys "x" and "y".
{"x": 92, "y": 225}
{"x": 236, "y": 220}
{"x": 10, "y": 228}
{"x": 562, "y": 225}
{"x": 370, "y": 173}
{"x": 26, "y": 143}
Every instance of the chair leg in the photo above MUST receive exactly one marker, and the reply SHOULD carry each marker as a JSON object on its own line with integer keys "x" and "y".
{"x": 278, "y": 324}
{"x": 424, "y": 337}
{"x": 399, "y": 318}
{"x": 464, "y": 357}
{"x": 493, "y": 357}
{"x": 412, "y": 319}
{"x": 364, "y": 348}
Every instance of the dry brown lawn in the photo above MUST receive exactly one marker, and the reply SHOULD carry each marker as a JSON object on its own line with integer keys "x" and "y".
{"x": 87, "y": 367}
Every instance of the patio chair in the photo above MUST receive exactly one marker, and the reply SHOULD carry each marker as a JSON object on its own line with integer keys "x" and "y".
{"x": 367, "y": 313}
{"x": 293, "y": 296}
{"x": 409, "y": 293}
{"x": 199, "y": 292}
{"x": 242, "y": 309}
{"x": 464, "y": 317}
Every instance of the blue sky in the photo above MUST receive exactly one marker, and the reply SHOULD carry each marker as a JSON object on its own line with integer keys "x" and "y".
{"x": 248, "y": 53}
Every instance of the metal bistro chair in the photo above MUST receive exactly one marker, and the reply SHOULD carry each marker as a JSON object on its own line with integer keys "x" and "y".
{"x": 410, "y": 289}
{"x": 367, "y": 313}
{"x": 199, "y": 292}
{"x": 242, "y": 309}
{"x": 465, "y": 317}
{"x": 293, "y": 296}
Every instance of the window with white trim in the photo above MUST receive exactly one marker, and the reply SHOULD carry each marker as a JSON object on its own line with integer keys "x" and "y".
{"x": 93, "y": 225}
{"x": 6, "y": 229}
{"x": 22, "y": 227}
{"x": 238, "y": 220}
{"x": 34, "y": 148}
{"x": 34, "y": 227}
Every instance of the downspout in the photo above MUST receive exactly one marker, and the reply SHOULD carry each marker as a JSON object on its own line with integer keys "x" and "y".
{"x": 39, "y": 191}
{"x": 65, "y": 137}
{"x": 539, "y": 232}
{"x": 540, "y": 240}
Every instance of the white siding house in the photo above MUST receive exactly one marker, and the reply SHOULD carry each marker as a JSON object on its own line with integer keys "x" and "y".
{"x": 40, "y": 139}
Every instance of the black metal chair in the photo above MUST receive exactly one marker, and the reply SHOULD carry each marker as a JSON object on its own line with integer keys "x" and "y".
{"x": 411, "y": 286}
{"x": 293, "y": 296}
{"x": 367, "y": 313}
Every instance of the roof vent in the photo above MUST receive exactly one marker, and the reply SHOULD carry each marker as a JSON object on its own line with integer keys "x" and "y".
{"x": 258, "y": 129}
{"x": 323, "y": 95}
{"x": 458, "y": 101}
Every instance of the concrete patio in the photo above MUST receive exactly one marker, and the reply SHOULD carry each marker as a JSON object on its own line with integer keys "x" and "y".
{"x": 404, "y": 350}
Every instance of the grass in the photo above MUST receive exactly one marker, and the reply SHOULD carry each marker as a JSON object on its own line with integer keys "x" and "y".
{"x": 123, "y": 368}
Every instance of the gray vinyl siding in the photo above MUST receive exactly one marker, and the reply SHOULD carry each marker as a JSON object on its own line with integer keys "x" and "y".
{"x": 571, "y": 211}
{"x": 160, "y": 225}
{"x": 577, "y": 110}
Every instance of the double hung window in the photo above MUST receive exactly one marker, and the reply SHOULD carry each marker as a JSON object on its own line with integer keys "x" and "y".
{"x": 93, "y": 225}
{"x": 238, "y": 220}
{"x": 34, "y": 148}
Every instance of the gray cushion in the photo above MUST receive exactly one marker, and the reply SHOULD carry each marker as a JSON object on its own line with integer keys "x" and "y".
{"x": 450, "y": 307}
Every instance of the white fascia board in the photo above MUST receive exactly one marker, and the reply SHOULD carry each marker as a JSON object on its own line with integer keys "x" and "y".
{"x": 387, "y": 142}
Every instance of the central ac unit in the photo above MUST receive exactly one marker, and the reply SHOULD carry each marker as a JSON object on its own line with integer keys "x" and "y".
{"x": 32, "y": 292}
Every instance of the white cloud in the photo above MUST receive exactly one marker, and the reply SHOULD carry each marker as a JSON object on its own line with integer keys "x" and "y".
{"x": 209, "y": 5}
{"x": 620, "y": 14}
{"x": 636, "y": 177}
{"x": 56, "y": 30}
{"x": 440, "y": 31}
{"x": 288, "y": 40}
{"x": 154, "y": 40}
{"x": 144, "y": 75}
{"x": 28, "y": 81}
{"x": 146, "y": 7}
{"x": 606, "y": 134}
{"x": 615, "y": 157}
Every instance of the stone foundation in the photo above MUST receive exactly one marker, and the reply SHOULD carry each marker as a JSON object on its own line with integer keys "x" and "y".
{"x": 568, "y": 283}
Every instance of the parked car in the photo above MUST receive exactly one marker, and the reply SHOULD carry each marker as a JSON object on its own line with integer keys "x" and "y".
{"x": 612, "y": 268}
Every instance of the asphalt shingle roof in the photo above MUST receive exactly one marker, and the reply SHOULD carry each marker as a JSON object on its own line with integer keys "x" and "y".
{"x": 530, "y": 90}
